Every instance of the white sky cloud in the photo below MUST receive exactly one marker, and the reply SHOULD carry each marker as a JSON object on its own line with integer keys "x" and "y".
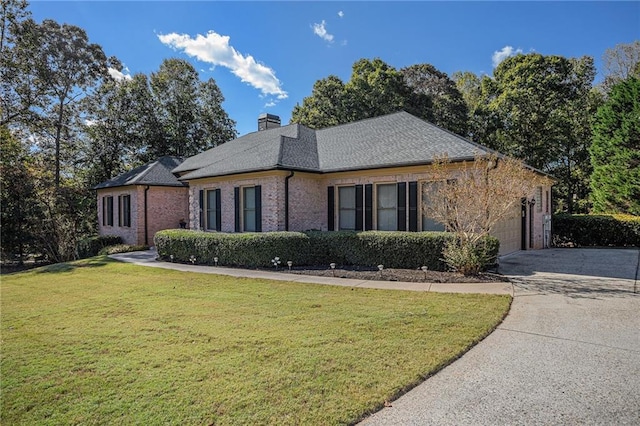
{"x": 118, "y": 75}
{"x": 341, "y": 14}
{"x": 214, "y": 49}
{"x": 321, "y": 31}
{"x": 270, "y": 104}
{"x": 502, "y": 54}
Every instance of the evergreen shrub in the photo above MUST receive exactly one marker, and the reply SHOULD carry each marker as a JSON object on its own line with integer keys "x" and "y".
{"x": 91, "y": 246}
{"x": 408, "y": 250}
{"x": 596, "y": 230}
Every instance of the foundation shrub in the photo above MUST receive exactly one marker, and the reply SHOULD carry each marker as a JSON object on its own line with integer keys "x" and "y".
{"x": 596, "y": 230}
{"x": 91, "y": 246}
{"x": 246, "y": 249}
{"x": 392, "y": 249}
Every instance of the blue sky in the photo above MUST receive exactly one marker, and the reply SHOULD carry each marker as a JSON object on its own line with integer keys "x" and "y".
{"x": 265, "y": 56}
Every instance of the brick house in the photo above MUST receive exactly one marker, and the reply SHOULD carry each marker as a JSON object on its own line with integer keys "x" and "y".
{"x": 366, "y": 175}
{"x": 137, "y": 204}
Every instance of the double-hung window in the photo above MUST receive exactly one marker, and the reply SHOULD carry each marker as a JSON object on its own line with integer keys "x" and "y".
{"x": 124, "y": 210}
{"x": 107, "y": 210}
{"x": 387, "y": 207}
{"x": 213, "y": 220}
{"x": 347, "y": 208}
{"x": 428, "y": 189}
{"x": 249, "y": 208}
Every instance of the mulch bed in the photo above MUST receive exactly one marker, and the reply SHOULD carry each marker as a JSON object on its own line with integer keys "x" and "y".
{"x": 407, "y": 275}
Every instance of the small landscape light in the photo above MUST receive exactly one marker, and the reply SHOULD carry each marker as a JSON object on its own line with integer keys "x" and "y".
{"x": 333, "y": 269}
{"x": 171, "y": 257}
{"x": 289, "y": 264}
{"x": 424, "y": 269}
{"x": 215, "y": 261}
{"x": 276, "y": 262}
{"x": 380, "y": 267}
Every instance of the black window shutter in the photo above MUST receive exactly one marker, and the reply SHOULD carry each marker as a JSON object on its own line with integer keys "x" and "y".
{"x": 104, "y": 211}
{"x": 120, "y": 210}
{"x": 201, "y": 205}
{"x": 110, "y": 211}
{"x": 413, "y": 206}
{"x": 359, "y": 208}
{"x": 258, "y": 194}
{"x": 236, "y": 201}
{"x": 218, "y": 211}
{"x": 331, "y": 225}
{"x": 402, "y": 206}
{"x": 368, "y": 207}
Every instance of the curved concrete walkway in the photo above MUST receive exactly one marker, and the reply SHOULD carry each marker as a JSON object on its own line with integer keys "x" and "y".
{"x": 567, "y": 353}
{"x": 148, "y": 258}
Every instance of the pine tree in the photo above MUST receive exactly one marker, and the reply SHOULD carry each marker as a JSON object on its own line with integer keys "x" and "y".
{"x": 615, "y": 151}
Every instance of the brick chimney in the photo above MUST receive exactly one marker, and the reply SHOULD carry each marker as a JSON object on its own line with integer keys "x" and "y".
{"x": 268, "y": 121}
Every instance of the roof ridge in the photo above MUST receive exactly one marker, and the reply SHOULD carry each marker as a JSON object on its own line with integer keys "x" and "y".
{"x": 363, "y": 119}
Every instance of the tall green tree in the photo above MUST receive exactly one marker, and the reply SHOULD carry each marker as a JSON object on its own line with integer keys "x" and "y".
{"x": 120, "y": 122}
{"x": 215, "y": 127}
{"x": 18, "y": 89}
{"x": 375, "y": 88}
{"x": 327, "y": 105}
{"x": 481, "y": 122}
{"x": 47, "y": 70}
{"x": 132, "y": 121}
{"x": 18, "y": 201}
{"x": 538, "y": 109}
{"x": 615, "y": 152}
{"x": 54, "y": 66}
{"x": 189, "y": 111}
{"x": 448, "y": 107}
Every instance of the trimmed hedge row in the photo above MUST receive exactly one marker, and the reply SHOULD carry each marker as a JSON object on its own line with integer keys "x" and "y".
{"x": 392, "y": 249}
{"x": 91, "y": 246}
{"x": 596, "y": 230}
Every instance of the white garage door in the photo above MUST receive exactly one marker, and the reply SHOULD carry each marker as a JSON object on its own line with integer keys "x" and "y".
{"x": 509, "y": 232}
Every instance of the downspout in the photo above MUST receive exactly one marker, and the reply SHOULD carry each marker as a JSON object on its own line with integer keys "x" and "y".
{"x": 146, "y": 228}
{"x": 286, "y": 200}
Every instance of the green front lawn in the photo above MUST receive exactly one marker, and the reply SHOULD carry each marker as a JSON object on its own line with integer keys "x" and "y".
{"x": 103, "y": 342}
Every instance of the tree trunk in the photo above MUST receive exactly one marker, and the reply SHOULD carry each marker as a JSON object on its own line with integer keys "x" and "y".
{"x": 58, "y": 132}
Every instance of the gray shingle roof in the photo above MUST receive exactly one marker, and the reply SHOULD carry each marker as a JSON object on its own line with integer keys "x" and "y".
{"x": 392, "y": 140}
{"x": 155, "y": 173}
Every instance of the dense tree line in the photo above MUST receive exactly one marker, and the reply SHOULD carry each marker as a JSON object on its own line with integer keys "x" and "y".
{"x": 66, "y": 124}
{"x": 540, "y": 109}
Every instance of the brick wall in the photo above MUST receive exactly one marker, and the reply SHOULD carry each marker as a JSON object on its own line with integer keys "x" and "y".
{"x": 165, "y": 207}
{"x": 308, "y": 200}
{"x": 128, "y": 234}
{"x": 272, "y": 200}
{"x": 307, "y": 203}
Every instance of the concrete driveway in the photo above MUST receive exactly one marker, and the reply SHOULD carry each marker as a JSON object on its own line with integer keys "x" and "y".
{"x": 567, "y": 353}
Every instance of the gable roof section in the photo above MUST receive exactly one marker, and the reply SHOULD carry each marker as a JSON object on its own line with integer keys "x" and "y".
{"x": 397, "y": 139}
{"x": 155, "y": 173}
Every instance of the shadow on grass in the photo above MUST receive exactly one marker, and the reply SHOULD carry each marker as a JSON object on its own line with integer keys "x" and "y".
{"x": 93, "y": 262}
